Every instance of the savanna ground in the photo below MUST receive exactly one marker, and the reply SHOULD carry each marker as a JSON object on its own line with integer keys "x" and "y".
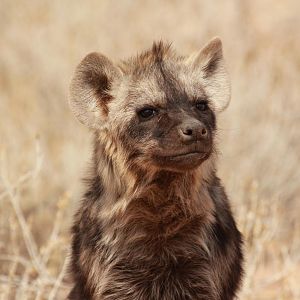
{"x": 44, "y": 151}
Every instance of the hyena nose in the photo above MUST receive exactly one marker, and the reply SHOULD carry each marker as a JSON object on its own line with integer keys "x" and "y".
{"x": 192, "y": 132}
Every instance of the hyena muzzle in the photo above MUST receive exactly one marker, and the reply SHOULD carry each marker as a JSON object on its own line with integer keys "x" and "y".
{"x": 155, "y": 222}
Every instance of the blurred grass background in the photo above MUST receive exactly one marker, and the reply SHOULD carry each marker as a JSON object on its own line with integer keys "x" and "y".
{"x": 44, "y": 151}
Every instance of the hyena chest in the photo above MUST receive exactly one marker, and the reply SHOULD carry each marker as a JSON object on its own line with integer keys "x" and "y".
{"x": 161, "y": 255}
{"x": 178, "y": 257}
{"x": 155, "y": 271}
{"x": 173, "y": 265}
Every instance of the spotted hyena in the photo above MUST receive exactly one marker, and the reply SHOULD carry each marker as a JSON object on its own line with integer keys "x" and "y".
{"x": 154, "y": 222}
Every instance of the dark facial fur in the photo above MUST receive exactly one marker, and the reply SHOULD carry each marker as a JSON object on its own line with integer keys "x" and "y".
{"x": 178, "y": 136}
{"x": 155, "y": 222}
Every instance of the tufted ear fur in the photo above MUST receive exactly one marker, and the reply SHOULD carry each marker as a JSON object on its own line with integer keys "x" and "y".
{"x": 90, "y": 87}
{"x": 210, "y": 62}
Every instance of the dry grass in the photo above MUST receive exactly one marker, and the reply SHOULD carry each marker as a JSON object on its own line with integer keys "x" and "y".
{"x": 43, "y": 150}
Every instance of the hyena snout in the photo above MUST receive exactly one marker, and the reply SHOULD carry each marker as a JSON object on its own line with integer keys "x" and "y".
{"x": 192, "y": 131}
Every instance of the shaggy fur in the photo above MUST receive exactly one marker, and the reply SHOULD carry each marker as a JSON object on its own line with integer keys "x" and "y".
{"x": 155, "y": 222}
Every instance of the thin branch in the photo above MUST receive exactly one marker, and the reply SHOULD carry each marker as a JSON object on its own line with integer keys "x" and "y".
{"x": 27, "y": 236}
{"x": 58, "y": 281}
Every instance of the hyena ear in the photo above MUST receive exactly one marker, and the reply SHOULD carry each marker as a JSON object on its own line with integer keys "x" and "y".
{"x": 90, "y": 87}
{"x": 210, "y": 62}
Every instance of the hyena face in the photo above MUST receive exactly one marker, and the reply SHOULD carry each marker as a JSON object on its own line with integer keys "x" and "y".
{"x": 158, "y": 109}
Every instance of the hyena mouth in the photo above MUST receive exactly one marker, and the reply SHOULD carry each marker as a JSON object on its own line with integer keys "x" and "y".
{"x": 186, "y": 155}
{"x": 194, "y": 156}
{"x": 183, "y": 160}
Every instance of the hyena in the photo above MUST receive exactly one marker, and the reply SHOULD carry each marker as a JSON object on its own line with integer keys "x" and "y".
{"x": 155, "y": 222}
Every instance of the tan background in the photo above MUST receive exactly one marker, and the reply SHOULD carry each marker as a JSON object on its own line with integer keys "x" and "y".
{"x": 44, "y": 151}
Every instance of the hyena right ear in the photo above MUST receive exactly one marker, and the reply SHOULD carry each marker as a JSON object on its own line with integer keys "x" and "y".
{"x": 90, "y": 87}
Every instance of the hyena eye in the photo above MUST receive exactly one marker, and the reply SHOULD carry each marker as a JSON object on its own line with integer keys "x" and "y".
{"x": 202, "y": 105}
{"x": 147, "y": 113}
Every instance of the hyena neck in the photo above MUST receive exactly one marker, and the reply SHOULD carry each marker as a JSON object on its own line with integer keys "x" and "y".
{"x": 123, "y": 184}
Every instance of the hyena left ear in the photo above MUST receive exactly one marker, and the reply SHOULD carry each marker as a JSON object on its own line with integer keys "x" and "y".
{"x": 210, "y": 63}
{"x": 90, "y": 89}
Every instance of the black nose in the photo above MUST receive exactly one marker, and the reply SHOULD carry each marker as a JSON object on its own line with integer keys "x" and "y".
{"x": 192, "y": 131}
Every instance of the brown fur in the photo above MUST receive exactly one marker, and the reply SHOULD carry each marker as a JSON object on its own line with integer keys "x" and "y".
{"x": 153, "y": 225}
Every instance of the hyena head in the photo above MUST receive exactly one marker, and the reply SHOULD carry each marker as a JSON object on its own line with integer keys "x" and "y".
{"x": 156, "y": 111}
